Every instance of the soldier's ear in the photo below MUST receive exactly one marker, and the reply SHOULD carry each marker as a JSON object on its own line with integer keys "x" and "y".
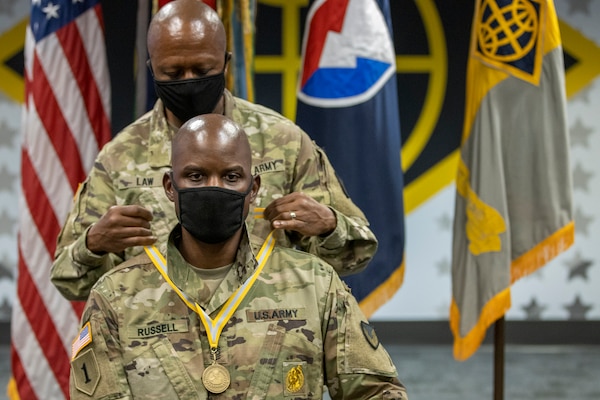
{"x": 168, "y": 185}
{"x": 255, "y": 187}
{"x": 227, "y": 59}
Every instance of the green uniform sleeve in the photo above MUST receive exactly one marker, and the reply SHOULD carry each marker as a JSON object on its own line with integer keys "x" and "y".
{"x": 75, "y": 269}
{"x": 356, "y": 364}
{"x": 351, "y": 246}
{"x": 97, "y": 367}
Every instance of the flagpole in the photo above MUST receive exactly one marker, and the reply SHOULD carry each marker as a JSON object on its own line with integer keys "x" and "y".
{"x": 499, "y": 359}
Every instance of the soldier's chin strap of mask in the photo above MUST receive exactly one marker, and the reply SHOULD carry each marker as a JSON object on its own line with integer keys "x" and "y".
{"x": 214, "y": 327}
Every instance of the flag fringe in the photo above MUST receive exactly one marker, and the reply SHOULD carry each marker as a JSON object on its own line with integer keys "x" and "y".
{"x": 11, "y": 389}
{"x": 465, "y": 347}
{"x": 537, "y": 257}
{"x": 383, "y": 292}
{"x": 543, "y": 252}
{"x": 247, "y": 18}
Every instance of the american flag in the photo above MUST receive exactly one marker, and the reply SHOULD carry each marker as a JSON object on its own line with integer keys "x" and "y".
{"x": 84, "y": 337}
{"x": 66, "y": 120}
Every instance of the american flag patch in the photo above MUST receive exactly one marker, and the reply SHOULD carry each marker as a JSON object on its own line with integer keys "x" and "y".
{"x": 84, "y": 337}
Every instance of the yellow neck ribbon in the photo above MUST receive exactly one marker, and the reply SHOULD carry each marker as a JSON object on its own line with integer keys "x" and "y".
{"x": 215, "y": 327}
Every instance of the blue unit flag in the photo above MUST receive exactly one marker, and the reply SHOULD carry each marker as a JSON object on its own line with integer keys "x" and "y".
{"x": 348, "y": 103}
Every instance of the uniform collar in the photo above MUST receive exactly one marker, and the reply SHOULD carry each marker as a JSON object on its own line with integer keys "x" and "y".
{"x": 185, "y": 279}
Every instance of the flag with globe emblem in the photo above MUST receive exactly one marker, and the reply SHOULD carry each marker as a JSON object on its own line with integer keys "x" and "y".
{"x": 513, "y": 210}
{"x": 348, "y": 103}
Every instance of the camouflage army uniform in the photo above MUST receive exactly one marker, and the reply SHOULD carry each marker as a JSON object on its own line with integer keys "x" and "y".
{"x": 130, "y": 169}
{"x": 297, "y": 321}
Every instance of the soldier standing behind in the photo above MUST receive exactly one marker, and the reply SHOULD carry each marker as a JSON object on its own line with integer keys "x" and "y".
{"x": 122, "y": 206}
{"x": 214, "y": 320}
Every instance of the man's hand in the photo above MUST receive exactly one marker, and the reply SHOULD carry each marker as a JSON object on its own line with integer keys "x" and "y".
{"x": 301, "y": 213}
{"x": 121, "y": 227}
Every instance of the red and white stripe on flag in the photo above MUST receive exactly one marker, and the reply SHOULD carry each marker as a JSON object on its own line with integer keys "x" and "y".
{"x": 66, "y": 120}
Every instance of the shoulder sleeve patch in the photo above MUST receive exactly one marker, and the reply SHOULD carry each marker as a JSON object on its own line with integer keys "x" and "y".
{"x": 83, "y": 339}
{"x": 370, "y": 335}
{"x": 356, "y": 356}
{"x": 85, "y": 372}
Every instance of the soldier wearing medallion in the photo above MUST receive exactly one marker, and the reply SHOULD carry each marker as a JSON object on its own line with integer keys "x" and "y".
{"x": 121, "y": 206}
{"x": 212, "y": 318}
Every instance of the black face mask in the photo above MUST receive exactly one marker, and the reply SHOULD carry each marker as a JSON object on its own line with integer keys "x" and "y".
{"x": 188, "y": 98}
{"x": 211, "y": 214}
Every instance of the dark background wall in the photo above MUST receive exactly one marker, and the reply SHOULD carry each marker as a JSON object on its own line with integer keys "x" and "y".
{"x": 410, "y": 38}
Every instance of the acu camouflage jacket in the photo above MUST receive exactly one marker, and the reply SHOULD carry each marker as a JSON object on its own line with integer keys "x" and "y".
{"x": 297, "y": 329}
{"x": 130, "y": 168}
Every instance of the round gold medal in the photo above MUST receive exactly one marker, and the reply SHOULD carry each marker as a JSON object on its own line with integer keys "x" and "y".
{"x": 216, "y": 378}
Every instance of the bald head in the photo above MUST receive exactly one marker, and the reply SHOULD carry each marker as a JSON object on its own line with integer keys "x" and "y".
{"x": 186, "y": 20}
{"x": 211, "y": 182}
{"x": 212, "y": 150}
{"x": 212, "y": 134}
{"x": 186, "y": 39}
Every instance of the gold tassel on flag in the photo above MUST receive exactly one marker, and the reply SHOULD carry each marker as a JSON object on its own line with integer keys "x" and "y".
{"x": 238, "y": 17}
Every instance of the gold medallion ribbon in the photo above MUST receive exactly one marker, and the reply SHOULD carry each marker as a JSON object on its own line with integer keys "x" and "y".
{"x": 258, "y": 212}
{"x": 215, "y": 327}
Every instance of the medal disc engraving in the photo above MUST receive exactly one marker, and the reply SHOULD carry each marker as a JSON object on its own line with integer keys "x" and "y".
{"x": 216, "y": 378}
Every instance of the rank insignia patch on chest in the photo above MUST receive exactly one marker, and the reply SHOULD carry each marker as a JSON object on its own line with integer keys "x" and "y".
{"x": 370, "y": 335}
